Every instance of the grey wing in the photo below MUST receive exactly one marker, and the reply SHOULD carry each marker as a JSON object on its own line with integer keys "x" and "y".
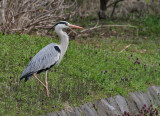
{"x": 43, "y": 60}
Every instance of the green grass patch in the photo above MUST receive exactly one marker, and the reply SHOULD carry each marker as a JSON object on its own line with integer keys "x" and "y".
{"x": 150, "y": 25}
{"x": 92, "y": 68}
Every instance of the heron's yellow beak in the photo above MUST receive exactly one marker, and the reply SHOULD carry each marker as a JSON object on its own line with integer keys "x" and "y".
{"x": 74, "y": 26}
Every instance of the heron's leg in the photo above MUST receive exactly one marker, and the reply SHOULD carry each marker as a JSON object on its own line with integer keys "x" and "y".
{"x": 46, "y": 86}
{"x": 47, "y": 91}
{"x": 38, "y": 79}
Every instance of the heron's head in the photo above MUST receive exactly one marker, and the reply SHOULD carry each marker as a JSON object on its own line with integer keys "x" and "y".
{"x": 65, "y": 24}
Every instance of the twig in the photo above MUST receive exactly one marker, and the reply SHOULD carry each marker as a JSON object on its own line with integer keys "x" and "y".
{"x": 125, "y": 48}
{"x": 114, "y": 3}
{"x": 108, "y": 26}
{"x": 91, "y": 28}
{"x": 114, "y": 6}
{"x": 3, "y": 11}
{"x": 97, "y": 23}
{"x": 72, "y": 31}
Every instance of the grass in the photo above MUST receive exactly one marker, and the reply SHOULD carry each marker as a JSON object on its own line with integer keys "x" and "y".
{"x": 152, "y": 25}
{"x": 92, "y": 68}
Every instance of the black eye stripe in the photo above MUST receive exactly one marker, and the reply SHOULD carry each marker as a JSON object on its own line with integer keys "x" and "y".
{"x": 61, "y": 23}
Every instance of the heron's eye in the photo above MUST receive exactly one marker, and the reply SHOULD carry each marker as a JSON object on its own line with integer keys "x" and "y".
{"x": 66, "y": 24}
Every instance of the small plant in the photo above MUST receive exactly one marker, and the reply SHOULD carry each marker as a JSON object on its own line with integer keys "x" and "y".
{"x": 148, "y": 111}
{"x": 145, "y": 111}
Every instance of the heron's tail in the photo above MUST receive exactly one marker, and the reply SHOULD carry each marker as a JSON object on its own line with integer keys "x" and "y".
{"x": 26, "y": 77}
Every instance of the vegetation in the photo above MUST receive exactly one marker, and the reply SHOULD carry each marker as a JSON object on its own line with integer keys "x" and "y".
{"x": 145, "y": 111}
{"x": 94, "y": 67}
{"x": 150, "y": 25}
{"x": 28, "y": 16}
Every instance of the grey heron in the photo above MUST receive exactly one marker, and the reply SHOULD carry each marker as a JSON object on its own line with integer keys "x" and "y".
{"x": 50, "y": 55}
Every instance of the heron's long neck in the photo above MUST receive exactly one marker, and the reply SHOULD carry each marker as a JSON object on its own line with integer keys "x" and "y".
{"x": 64, "y": 42}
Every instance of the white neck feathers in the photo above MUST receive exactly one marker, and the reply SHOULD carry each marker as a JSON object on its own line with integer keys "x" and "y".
{"x": 64, "y": 41}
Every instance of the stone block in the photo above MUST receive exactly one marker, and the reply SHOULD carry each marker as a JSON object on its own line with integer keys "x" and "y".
{"x": 100, "y": 108}
{"x": 153, "y": 92}
{"x": 132, "y": 106}
{"x": 113, "y": 103}
{"x": 137, "y": 101}
{"x": 78, "y": 111}
{"x": 87, "y": 110}
{"x": 62, "y": 113}
{"x": 121, "y": 103}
